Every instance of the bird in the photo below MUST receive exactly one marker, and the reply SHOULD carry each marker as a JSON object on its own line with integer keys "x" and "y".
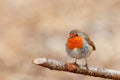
{"x": 79, "y": 46}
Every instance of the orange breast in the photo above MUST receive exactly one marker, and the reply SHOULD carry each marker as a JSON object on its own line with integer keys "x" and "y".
{"x": 75, "y": 42}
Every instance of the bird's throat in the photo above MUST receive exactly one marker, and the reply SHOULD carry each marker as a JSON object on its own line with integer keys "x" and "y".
{"x": 75, "y": 42}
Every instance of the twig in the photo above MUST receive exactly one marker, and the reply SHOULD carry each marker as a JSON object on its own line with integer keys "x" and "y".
{"x": 79, "y": 69}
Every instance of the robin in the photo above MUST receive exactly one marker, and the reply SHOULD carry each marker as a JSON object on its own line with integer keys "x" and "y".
{"x": 79, "y": 45}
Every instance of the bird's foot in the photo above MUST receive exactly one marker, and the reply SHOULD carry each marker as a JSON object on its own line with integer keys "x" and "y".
{"x": 75, "y": 64}
{"x": 86, "y": 65}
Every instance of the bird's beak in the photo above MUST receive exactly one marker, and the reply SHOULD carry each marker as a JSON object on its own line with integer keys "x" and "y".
{"x": 72, "y": 35}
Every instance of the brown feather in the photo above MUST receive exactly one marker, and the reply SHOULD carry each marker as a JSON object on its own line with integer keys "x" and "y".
{"x": 89, "y": 41}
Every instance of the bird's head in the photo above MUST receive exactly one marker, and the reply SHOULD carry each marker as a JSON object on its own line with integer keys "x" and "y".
{"x": 75, "y": 40}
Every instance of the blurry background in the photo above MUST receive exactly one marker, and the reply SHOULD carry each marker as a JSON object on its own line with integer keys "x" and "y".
{"x": 39, "y": 28}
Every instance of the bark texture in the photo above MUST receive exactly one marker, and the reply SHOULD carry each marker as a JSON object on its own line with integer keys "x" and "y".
{"x": 79, "y": 69}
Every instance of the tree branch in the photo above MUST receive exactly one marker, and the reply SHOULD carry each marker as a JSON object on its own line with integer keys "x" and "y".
{"x": 79, "y": 69}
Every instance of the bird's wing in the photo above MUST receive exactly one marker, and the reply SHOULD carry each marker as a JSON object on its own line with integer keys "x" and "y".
{"x": 86, "y": 37}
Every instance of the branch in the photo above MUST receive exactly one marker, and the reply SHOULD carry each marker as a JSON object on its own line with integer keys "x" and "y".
{"x": 79, "y": 69}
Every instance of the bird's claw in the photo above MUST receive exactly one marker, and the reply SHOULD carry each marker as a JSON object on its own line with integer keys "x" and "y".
{"x": 76, "y": 64}
{"x": 86, "y": 65}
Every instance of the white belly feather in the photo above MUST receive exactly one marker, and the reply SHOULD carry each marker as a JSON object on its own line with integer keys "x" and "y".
{"x": 80, "y": 53}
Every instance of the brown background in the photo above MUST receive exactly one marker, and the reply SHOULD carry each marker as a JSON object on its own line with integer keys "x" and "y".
{"x": 39, "y": 28}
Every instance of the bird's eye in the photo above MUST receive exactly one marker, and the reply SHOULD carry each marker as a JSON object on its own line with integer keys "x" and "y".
{"x": 76, "y": 34}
